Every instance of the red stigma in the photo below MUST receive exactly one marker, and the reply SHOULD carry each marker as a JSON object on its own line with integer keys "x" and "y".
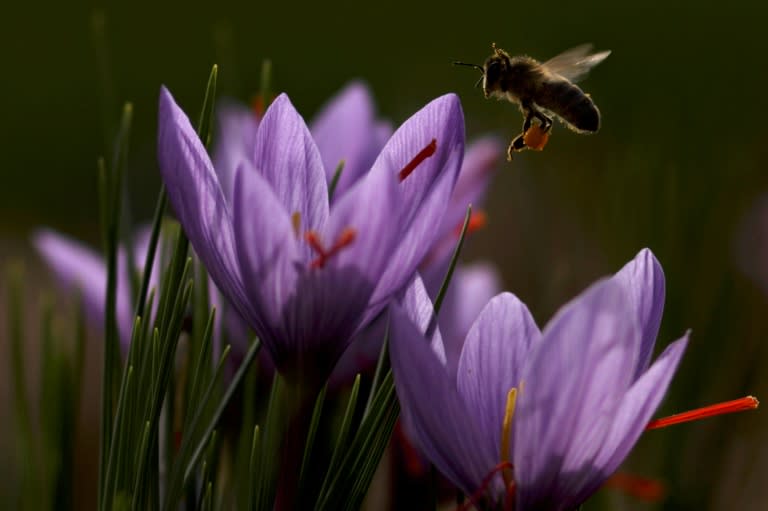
{"x": 737, "y": 405}
{"x": 477, "y": 221}
{"x": 473, "y": 499}
{"x": 259, "y": 105}
{"x": 346, "y": 238}
{"x": 643, "y": 488}
{"x": 423, "y": 155}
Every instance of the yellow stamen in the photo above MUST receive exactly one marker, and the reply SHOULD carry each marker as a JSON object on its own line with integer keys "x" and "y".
{"x": 296, "y": 223}
{"x": 506, "y": 427}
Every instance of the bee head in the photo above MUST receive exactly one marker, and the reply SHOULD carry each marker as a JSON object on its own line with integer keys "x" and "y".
{"x": 494, "y": 69}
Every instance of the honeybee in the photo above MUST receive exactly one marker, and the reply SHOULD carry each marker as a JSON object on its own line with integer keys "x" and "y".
{"x": 543, "y": 91}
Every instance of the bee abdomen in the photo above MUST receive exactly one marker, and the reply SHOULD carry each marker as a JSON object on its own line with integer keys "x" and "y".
{"x": 572, "y": 104}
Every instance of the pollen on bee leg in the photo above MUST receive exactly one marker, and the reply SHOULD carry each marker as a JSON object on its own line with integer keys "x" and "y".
{"x": 344, "y": 239}
{"x": 425, "y": 153}
{"x": 536, "y": 137}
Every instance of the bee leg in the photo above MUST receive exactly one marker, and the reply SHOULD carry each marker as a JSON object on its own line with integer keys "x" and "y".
{"x": 517, "y": 145}
{"x": 546, "y": 122}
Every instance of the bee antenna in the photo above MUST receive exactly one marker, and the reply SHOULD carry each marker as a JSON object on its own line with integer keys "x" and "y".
{"x": 479, "y": 68}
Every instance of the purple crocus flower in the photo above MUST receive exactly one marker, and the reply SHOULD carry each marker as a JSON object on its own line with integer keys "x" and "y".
{"x": 307, "y": 275}
{"x": 538, "y": 420}
{"x": 77, "y": 267}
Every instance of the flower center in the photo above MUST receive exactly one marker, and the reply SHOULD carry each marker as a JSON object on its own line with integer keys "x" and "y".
{"x": 344, "y": 239}
{"x": 425, "y": 153}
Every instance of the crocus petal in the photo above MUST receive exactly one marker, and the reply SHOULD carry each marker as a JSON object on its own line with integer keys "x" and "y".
{"x": 637, "y": 408}
{"x": 425, "y": 192}
{"x": 235, "y": 136}
{"x": 266, "y": 249}
{"x": 643, "y": 279}
{"x": 290, "y": 162}
{"x": 79, "y": 268}
{"x": 345, "y": 130}
{"x": 480, "y": 160}
{"x": 492, "y": 359}
{"x": 573, "y": 382}
{"x": 471, "y": 287}
{"x": 194, "y": 191}
{"x": 439, "y": 418}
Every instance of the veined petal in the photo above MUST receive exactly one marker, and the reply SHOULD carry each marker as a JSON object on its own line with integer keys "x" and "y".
{"x": 480, "y": 160}
{"x": 194, "y": 191}
{"x": 235, "y": 138}
{"x": 492, "y": 360}
{"x": 290, "y": 162}
{"x": 573, "y": 380}
{"x": 345, "y": 129}
{"x": 441, "y": 422}
{"x": 643, "y": 279}
{"x": 472, "y": 286}
{"x": 79, "y": 268}
{"x": 267, "y": 252}
{"x": 425, "y": 192}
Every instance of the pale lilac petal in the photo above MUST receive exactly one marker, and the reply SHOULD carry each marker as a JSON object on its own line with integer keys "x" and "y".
{"x": 266, "y": 249}
{"x": 481, "y": 159}
{"x": 80, "y": 269}
{"x": 345, "y": 130}
{"x": 235, "y": 137}
{"x": 643, "y": 279}
{"x": 471, "y": 287}
{"x": 440, "y": 420}
{"x": 492, "y": 360}
{"x": 370, "y": 209}
{"x": 290, "y": 162}
{"x": 425, "y": 192}
{"x": 573, "y": 382}
{"x": 194, "y": 191}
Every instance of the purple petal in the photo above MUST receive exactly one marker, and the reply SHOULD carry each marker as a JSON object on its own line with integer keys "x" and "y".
{"x": 440, "y": 420}
{"x": 78, "y": 268}
{"x": 471, "y": 288}
{"x": 492, "y": 360}
{"x": 345, "y": 129}
{"x": 266, "y": 249}
{"x": 425, "y": 192}
{"x": 290, "y": 162}
{"x": 643, "y": 280}
{"x": 194, "y": 191}
{"x": 574, "y": 380}
{"x": 481, "y": 158}
{"x": 235, "y": 138}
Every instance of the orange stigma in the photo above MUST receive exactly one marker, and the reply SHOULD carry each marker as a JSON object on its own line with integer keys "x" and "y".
{"x": 737, "y": 405}
{"x": 423, "y": 155}
{"x": 345, "y": 239}
{"x": 643, "y": 488}
{"x": 259, "y": 105}
{"x": 473, "y": 499}
{"x": 477, "y": 221}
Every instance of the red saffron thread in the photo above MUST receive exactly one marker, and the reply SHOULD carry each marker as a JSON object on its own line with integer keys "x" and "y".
{"x": 345, "y": 239}
{"x": 423, "y": 155}
{"x": 472, "y": 499}
{"x": 643, "y": 488}
{"x": 737, "y": 405}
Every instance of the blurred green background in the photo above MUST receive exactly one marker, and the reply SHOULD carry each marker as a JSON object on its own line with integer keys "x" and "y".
{"x": 678, "y": 165}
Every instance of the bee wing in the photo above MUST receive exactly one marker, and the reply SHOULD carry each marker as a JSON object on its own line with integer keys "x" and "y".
{"x": 574, "y": 64}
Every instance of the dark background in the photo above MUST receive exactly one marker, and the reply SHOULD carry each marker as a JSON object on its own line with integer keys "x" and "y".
{"x": 679, "y": 165}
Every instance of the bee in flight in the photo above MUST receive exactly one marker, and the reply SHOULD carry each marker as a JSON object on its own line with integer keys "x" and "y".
{"x": 543, "y": 91}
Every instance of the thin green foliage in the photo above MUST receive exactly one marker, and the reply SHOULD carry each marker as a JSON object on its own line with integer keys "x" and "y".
{"x": 314, "y": 422}
{"x": 268, "y": 450}
{"x": 342, "y": 437}
{"x": 255, "y": 444}
{"x": 335, "y": 180}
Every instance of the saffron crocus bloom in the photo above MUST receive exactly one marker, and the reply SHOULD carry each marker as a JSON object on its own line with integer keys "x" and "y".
{"x": 79, "y": 268}
{"x": 557, "y": 410}
{"x": 304, "y": 274}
